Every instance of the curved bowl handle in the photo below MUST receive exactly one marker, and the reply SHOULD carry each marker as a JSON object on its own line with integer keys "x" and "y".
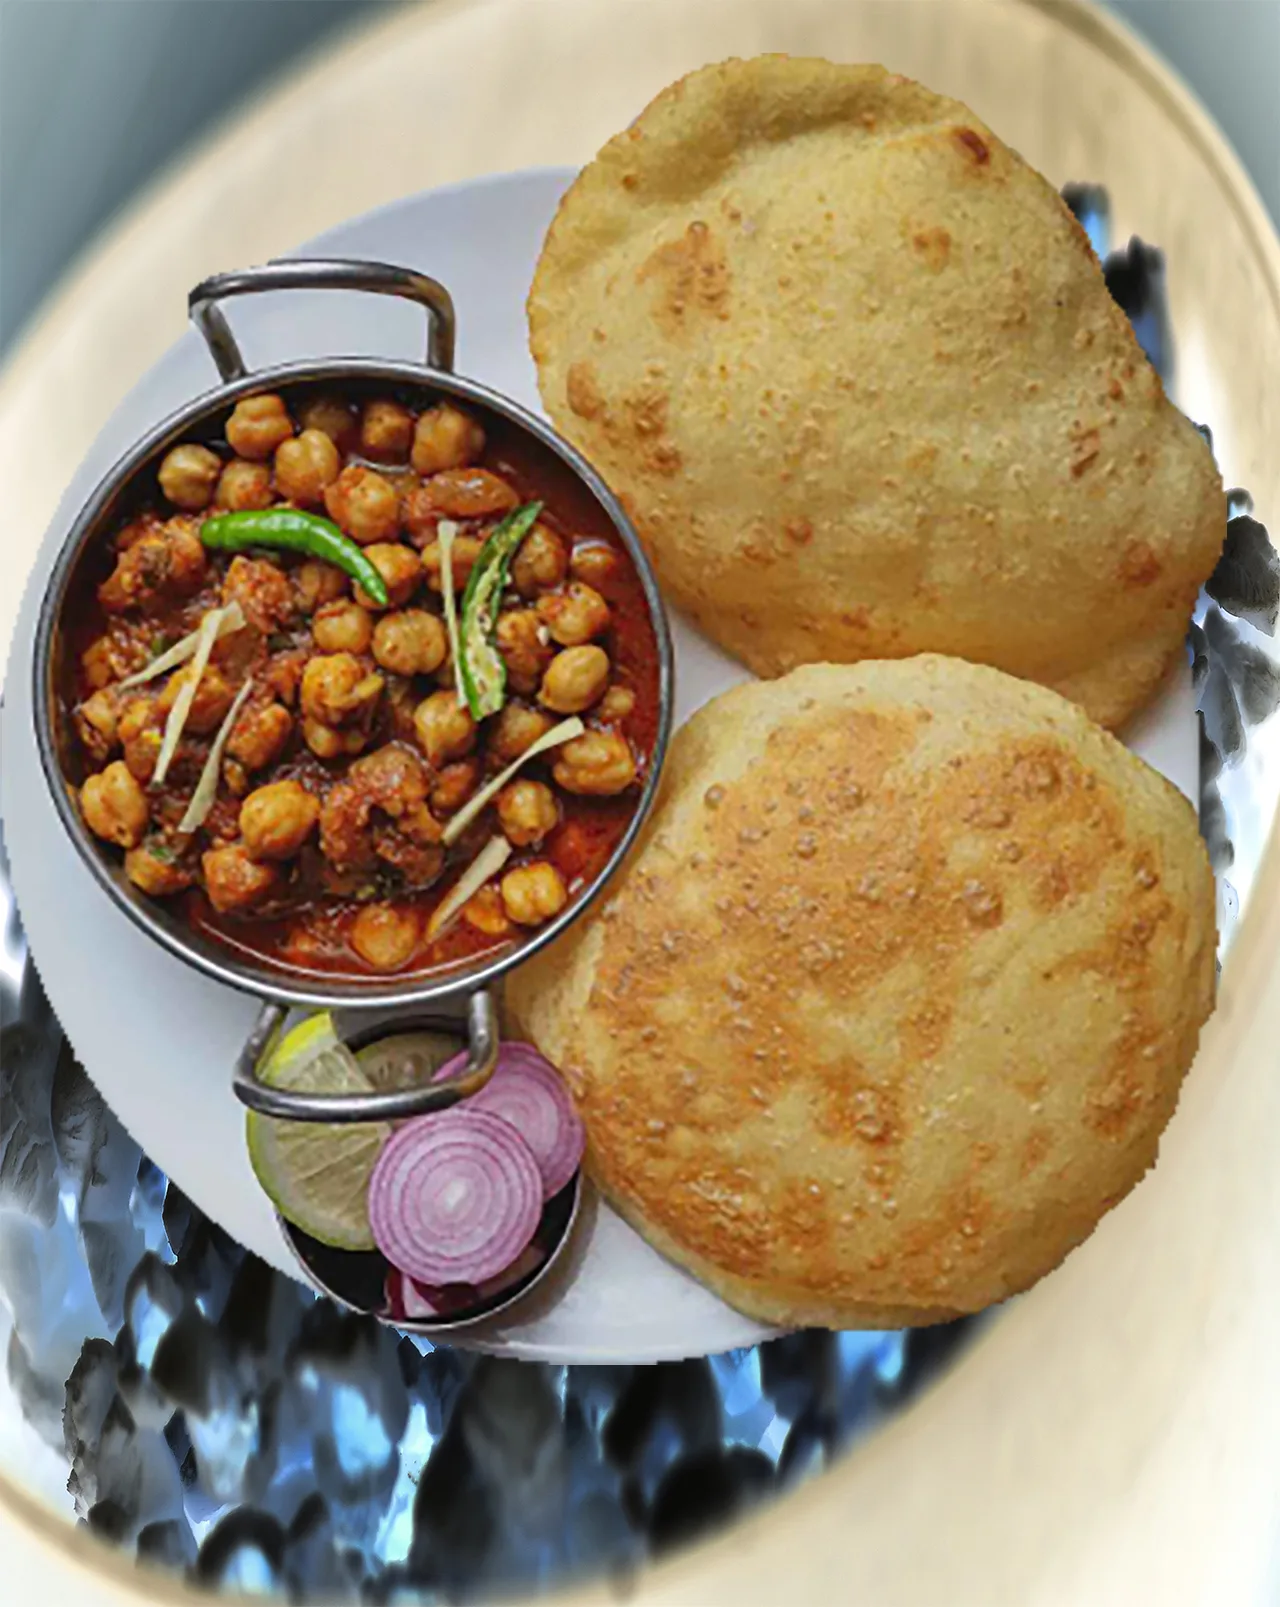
{"x": 399, "y": 1104}
{"x": 320, "y": 273}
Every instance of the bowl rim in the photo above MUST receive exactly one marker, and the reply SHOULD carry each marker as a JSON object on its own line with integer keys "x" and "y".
{"x": 218, "y": 961}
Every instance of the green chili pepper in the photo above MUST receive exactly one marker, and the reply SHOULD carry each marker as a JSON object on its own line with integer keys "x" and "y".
{"x": 294, "y": 532}
{"x": 484, "y": 675}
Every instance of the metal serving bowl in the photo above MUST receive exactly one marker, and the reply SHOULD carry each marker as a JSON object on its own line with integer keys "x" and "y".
{"x": 463, "y": 998}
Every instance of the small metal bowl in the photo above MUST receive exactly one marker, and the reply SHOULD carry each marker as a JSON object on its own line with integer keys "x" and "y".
{"x": 356, "y": 1279}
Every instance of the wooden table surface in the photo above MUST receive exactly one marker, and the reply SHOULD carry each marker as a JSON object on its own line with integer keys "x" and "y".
{"x": 1116, "y": 1436}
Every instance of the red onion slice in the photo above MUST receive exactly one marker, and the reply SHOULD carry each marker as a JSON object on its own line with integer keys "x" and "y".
{"x": 454, "y": 1197}
{"x": 455, "y": 1298}
{"x": 416, "y": 1306}
{"x": 404, "y": 1299}
{"x": 526, "y": 1091}
{"x": 408, "y": 1301}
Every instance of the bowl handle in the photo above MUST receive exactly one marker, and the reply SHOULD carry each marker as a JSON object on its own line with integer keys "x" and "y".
{"x": 294, "y": 1105}
{"x": 320, "y": 273}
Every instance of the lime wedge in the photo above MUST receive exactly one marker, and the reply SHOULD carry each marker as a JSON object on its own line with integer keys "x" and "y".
{"x": 317, "y": 1174}
{"x": 407, "y": 1059}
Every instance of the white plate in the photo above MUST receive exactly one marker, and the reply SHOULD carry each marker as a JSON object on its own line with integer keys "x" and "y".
{"x": 159, "y": 1039}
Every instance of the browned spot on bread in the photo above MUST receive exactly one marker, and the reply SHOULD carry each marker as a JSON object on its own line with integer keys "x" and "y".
{"x": 799, "y": 531}
{"x": 730, "y": 1221}
{"x": 973, "y": 145}
{"x": 802, "y": 1222}
{"x": 691, "y": 274}
{"x": 982, "y": 903}
{"x": 1052, "y": 883}
{"x": 934, "y": 245}
{"x": 647, "y": 411}
{"x": 582, "y": 391}
{"x": 1139, "y": 565}
{"x": 1086, "y": 450}
{"x": 642, "y": 417}
{"x": 1112, "y": 1108}
{"x": 1034, "y": 1149}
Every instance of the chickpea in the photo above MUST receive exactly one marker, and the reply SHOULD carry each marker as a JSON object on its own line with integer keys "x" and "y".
{"x": 616, "y": 704}
{"x": 326, "y": 743}
{"x": 574, "y": 680}
{"x": 154, "y": 869}
{"x": 262, "y": 591}
{"x": 235, "y": 882}
{"x": 486, "y": 914}
{"x": 97, "y": 722}
{"x": 164, "y": 564}
{"x": 411, "y": 642}
{"x": 400, "y": 570}
{"x": 541, "y": 562}
{"x": 98, "y": 661}
{"x": 139, "y": 733}
{"x": 283, "y": 674}
{"x": 258, "y": 426}
{"x": 597, "y": 764}
{"x": 316, "y": 582}
{"x": 336, "y": 689}
{"x": 385, "y": 936}
{"x": 209, "y": 706}
{"x": 445, "y": 438}
{"x": 516, "y": 729}
{"x": 575, "y": 615}
{"x": 461, "y": 494}
{"x": 259, "y": 736}
{"x": 235, "y": 778}
{"x": 528, "y": 812}
{"x": 522, "y": 642}
{"x": 463, "y": 554}
{"x": 305, "y": 465}
{"x": 386, "y": 431}
{"x": 146, "y": 524}
{"x": 114, "y": 806}
{"x": 332, "y": 416}
{"x": 364, "y": 504}
{"x": 277, "y": 819}
{"x": 533, "y": 893}
{"x": 243, "y": 485}
{"x": 342, "y": 627}
{"x": 593, "y": 563}
{"x": 454, "y": 785}
{"x": 444, "y": 728}
{"x": 188, "y": 476}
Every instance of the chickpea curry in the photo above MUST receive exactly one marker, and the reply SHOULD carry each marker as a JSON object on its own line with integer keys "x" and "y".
{"x": 363, "y": 687}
